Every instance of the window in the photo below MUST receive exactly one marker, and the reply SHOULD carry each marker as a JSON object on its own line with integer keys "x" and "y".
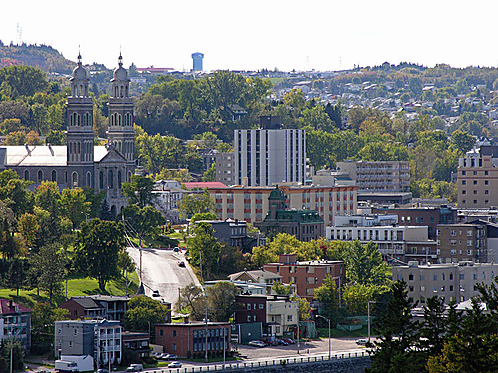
{"x": 174, "y": 346}
{"x": 464, "y": 182}
{"x": 161, "y": 332}
{"x": 464, "y": 192}
{"x": 470, "y": 242}
{"x": 40, "y": 175}
{"x": 248, "y": 318}
{"x": 451, "y": 287}
{"x": 410, "y": 277}
{"x": 289, "y": 318}
{"x": 261, "y": 306}
{"x": 462, "y": 276}
{"x": 249, "y": 306}
{"x": 422, "y": 277}
{"x": 174, "y": 333}
{"x": 434, "y": 277}
{"x": 486, "y": 182}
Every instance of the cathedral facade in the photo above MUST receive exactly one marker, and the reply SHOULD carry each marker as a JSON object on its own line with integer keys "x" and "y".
{"x": 81, "y": 163}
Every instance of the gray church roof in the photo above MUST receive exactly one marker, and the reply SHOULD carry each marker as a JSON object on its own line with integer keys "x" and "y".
{"x": 41, "y": 155}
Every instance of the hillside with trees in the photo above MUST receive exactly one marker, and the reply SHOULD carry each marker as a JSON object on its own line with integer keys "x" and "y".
{"x": 44, "y": 57}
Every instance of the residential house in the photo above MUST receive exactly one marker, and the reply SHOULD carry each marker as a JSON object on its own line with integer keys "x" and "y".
{"x": 234, "y": 233}
{"x": 137, "y": 342}
{"x": 15, "y": 322}
{"x": 259, "y": 276}
{"x": 108, "y": 307}
{"x": 100, "y": 339}
{"x": 278, "y": 314}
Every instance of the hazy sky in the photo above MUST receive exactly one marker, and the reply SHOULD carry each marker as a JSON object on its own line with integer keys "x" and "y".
{"x": 255, "y": 34}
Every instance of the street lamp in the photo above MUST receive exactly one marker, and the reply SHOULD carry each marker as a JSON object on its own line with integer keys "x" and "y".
{"x": 328, "y": 320}
{"x": 368, "y": 317}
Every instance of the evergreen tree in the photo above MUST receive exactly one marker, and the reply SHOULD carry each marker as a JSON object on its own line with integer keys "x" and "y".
{"x": 398, "y": 335}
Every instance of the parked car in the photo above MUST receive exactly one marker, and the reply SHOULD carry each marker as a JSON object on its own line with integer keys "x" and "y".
{"x": 102, "y": 370}
{"x": 361, "y": 342}
{"x": 181, "y": 263}
{"x": 172, "y": 357}
{"x": 135, "y": 368}
{"x": 155, "y": 293}
{"x": 176, "y": 249}
{"x": 163, "y": 356}
{"x": 257, "y": 344}
{"x": 175, "y": 364}
{"x": 282, "y": 342}
{"x": 288, "y": 340}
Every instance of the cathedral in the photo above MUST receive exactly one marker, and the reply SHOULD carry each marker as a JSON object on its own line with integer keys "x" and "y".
{"x": 81, "y": 163}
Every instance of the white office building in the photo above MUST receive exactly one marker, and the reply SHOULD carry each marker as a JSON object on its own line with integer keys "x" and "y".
{"x": 269, "y": 155}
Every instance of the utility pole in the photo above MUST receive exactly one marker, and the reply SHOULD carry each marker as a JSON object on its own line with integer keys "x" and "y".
{"x": 297, "y": 343}
{"x": 328, "y": 320}
{"x": 206, "y": 319}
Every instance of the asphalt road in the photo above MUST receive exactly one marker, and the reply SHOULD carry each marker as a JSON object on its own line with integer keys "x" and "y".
{"x": 160, "y": 271}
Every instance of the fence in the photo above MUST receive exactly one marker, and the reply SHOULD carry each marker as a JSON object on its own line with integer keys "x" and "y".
{"x": 261, "y": 364}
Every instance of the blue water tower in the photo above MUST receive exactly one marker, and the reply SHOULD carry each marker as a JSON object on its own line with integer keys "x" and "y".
{"x": 197, "y": 61}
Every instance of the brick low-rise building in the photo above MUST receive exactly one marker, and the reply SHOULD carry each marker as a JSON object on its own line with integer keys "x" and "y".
{"x": 305, "y": 277}
{"x": 189, "y": 339}
{"x": 461, "y": 242}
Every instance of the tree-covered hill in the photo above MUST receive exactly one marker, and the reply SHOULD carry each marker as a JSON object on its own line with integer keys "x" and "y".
{"x": 42, "y": 56}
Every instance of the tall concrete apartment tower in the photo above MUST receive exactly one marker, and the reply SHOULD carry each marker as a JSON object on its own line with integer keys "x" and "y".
{"x": 269, "y": 155}
{"x": 79, "y": 135}
{"x": 197, "y": 61}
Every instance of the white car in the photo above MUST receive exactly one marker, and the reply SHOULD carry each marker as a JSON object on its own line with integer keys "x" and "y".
{"x": 175, "y": 364}
{"x": 361, "y": 342}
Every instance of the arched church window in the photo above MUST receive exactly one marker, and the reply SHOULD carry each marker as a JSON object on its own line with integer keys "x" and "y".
{"x": 126, "y": 91}
{"x": 79, "y": 119}
{"x": 89, "y": 179}
{"x": 116, "y": 91}
{"x": 122, "y": 91}
{"x": 128, "y": 178}
{"x": 119, "y": 119}
{"x": 40, "y": 175}
{"x": 119, "y": 179}
{"x": 26, "y": 175}
{"x": 74, "y": 179}
{"x": 110, "y": 179}
{"x": 101, "y": 180}
{"x": 54, "y": 175}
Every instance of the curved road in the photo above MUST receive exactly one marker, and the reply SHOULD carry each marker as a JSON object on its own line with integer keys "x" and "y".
{"x": 160, "y": 271}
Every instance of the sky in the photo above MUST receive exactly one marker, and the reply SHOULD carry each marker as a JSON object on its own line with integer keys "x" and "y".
{"x": 323, "y": 35}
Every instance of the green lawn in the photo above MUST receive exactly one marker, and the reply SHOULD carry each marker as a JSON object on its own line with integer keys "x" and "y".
{"x": 75, "y": 287}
